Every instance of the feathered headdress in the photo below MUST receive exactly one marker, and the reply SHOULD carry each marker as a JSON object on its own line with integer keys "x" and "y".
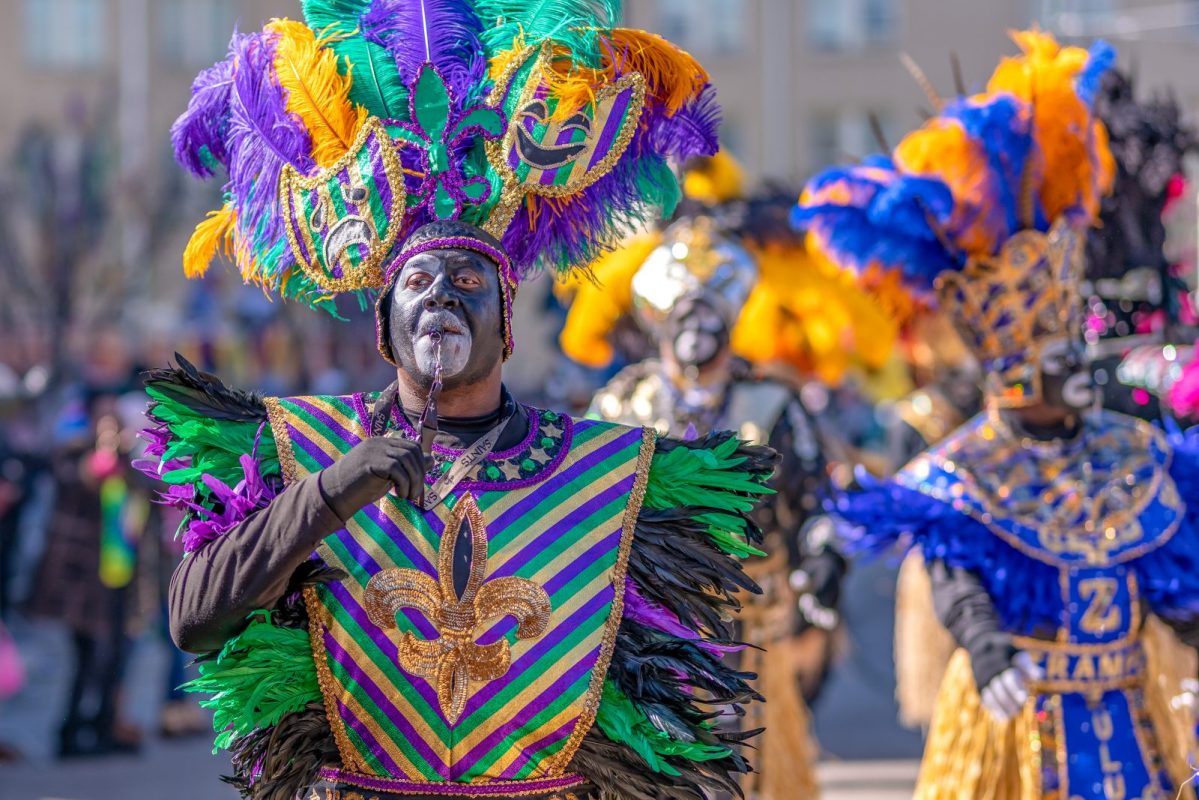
{"x": 785, "y": 304}
{"x": 544, "y": 125}
{"x": 980, "y": 208}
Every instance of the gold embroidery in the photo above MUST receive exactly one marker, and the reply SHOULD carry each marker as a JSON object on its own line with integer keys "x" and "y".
{"x": 369, "y": 273}
{"x": 455, "y": 659}
{"x": 287, "y": 458}
{"x": 1102, "y": 613}
{"x": 318, "y": 618}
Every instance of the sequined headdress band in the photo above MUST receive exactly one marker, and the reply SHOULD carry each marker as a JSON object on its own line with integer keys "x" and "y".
{"x": 981, "y": 208}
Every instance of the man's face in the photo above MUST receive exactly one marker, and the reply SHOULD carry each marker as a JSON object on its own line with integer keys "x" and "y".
{"x": 695, "y": 334}
{"x": 455, "y": 293}
{"x": 1065, "y": 379}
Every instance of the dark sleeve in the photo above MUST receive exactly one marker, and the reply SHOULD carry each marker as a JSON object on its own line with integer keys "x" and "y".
{"x": 965, "y": 609}
{"x": 247, "y": 568}
{"x": 800, "y": 479}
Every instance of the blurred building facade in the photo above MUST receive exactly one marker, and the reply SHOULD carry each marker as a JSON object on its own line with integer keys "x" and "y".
{"x": 800, "y": 81}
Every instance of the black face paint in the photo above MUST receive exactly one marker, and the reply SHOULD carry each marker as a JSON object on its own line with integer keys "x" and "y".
{"x": 457, "y": 293}
{"x": 1065, "y": 378}
{"x": 697, "y": 333}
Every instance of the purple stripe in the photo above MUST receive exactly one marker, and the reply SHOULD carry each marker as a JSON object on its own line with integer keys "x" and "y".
{"x": 397, "y": 536}
{"x": 563, "y": 478}
{"x": 384, "y": 704}
{"x": 298, "y": 223}
{"x": 308, "y": 446}
{"x": 537, "y": 651}
{"x": 355, "y": 610}
{"x": 504, "y": 790}
{"x": 537, "y": 747}
{"x": 351, "y": 721}
{"x": 348, "y": 436}
{"x": 522, "y": 718}
{"x": 566, "y": 525}
{"x": 598, "y": 550}
{"x": 612, "y": 127}
{"x": 548, "y": 176}
{"x": 382, "y": 185}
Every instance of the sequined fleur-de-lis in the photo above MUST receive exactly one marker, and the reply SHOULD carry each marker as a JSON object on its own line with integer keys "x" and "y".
{"x": 454, "y": 659}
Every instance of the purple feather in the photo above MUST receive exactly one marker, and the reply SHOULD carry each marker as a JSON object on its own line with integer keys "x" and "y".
{"x": 567, "y": 234}
{"x": 203, "y": 127}
{"x": 638, "y": 608}
{"x": 692, "y": 131}
{"x": 263, "y": 137}
{"x": 442, "y": 32}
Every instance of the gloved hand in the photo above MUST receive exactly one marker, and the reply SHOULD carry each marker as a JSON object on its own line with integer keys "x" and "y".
{"x": 1005, "y": 694}
{"x": 372, "y": 468}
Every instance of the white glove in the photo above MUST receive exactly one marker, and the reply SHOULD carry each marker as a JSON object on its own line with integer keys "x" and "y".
{"x": 1007, "y": 692}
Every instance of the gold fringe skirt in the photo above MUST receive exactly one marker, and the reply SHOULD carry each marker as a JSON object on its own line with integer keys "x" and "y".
{"x": 971, "y": 756}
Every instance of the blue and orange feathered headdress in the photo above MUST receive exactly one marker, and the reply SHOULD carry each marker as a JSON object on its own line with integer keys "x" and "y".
{"x": 544, "y": 125}
{"x": 981, "y": 208}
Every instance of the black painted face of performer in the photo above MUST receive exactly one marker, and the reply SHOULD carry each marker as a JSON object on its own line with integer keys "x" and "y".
{"x": 1065, "y": 379}
{"x": 454, "y": 293}
{"x": 696, "y": 338}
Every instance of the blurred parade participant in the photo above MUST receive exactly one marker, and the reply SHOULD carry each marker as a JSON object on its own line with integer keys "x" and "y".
{"x": 738, "y": 318}
{"x": 435, "y": 590}
{"x": 1137, "y": 296}
{"x": 1051, "y": 532}
{"x": 87, "y": 574}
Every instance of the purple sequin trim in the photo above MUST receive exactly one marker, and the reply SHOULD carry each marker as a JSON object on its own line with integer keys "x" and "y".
{"x": 460, "y": 242}
{"x": 496, "y": 789}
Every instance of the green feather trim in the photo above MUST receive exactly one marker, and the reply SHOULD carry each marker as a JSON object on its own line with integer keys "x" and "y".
{"x": 214, "y": 447}
{"x": 574, "y": 24}
{"x": 260, "y": 675}
{"x": 376, "y": 82}
{"x": 622, "y": 721}
{"x": 713, "y": 480}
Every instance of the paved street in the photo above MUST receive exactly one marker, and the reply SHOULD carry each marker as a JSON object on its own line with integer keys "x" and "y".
{"x": 868, "y": 757}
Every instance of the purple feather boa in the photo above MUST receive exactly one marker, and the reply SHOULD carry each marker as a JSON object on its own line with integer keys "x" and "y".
{"x": 444, "y": 33}
{"x": 263, "y": 137}
{"x": 205, "y": 123}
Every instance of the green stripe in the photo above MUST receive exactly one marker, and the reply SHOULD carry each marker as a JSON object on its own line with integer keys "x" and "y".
{"x": 377, "y": 715}
{"x": 563, "y": 173}
{"x": 364, "y": 751}
{"x": 319, "y": 428}
{"x": 388, "y": 668}
{"x": 570, "y": 495}
{"x": 575, "y": 637}
{"x": 378, "y": 212}
{"x": 590, "y": 523}
{"x": 539, "y": 757}
{"x": 488, "y": 760}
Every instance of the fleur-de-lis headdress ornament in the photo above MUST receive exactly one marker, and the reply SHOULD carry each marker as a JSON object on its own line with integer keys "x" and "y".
{"x": 983, "y": 209}
{"x": 545, "y": 125}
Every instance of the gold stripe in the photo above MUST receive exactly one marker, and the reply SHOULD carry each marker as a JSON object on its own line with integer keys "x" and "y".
{"x": 554, "y": 517}
{"x": 532, "y": 737}
{"x": 557, "y": 766}
{"x": 510, "y": 498}
{"x": 394, "y": 693}
{"x": 287, "y": 457}
{"x": 555, "y": 670}
{"x": 322, "y": 442}
{"x": 316, "y": 614}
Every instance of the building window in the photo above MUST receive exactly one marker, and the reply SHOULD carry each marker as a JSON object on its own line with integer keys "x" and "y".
{"x": 192, "y": 34}
{"x": 1075, "y": 17}
{"x": 707, "y": 27}
{"x": 836, "y": 136}
{"x": 840, "y": 25}
{"x": 65, "y": 33}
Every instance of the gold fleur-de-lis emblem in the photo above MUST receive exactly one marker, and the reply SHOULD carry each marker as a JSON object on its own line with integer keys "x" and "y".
{"x": 454, "y": 659}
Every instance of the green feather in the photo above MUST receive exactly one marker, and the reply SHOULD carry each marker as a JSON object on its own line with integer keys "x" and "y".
{"x": 376, "y": 79}
{"x": 622, "y": 721}
{"x": 260, "y": 675}
{"x": 572, "y": 23}
{"x": 714, "y": 480}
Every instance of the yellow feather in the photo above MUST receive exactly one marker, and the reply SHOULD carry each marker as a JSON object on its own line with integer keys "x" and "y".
{"x": 209, "y": 237}
{"x": 598, "y": 305}
{"x": 316, "y": 92}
